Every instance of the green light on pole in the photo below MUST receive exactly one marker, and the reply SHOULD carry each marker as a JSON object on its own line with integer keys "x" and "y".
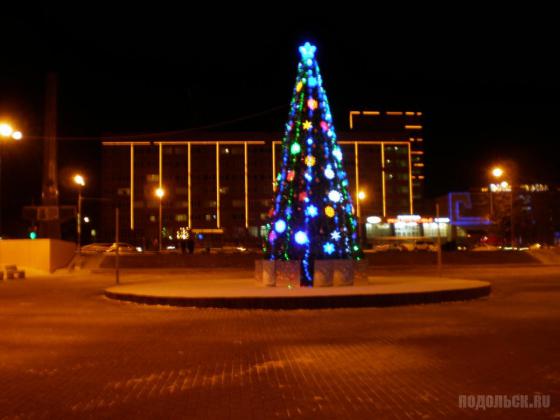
{"x": 32, "y": 235}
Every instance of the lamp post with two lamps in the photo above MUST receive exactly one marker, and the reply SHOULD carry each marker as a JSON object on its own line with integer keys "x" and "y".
{"x": 7, "y": 133}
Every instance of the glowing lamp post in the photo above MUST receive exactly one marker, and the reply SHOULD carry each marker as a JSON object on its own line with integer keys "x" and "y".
{"x": 7, "y": 133}
{"x": 80, "y": 181}
{"x": 497, "y": 173}
{"x": 160, "y": 193}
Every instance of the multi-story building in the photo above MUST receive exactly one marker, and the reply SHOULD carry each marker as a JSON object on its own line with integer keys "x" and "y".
{"x": 222, "y": 183}
{"x": 404, "y": 126}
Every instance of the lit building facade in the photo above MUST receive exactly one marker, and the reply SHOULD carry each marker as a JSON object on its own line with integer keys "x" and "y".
{"x": 221, "y": 184}
{"x": 405, "y": 126}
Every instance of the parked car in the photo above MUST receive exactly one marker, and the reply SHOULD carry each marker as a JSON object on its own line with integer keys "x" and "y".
{"x": 95, "y": 247}
{"x": 386, "y": 247}
{"x": 407, "y": 246}
{"x": 425, "y": 246}
{"x": 123, "y": 247}
{"x": 485, "y": 247}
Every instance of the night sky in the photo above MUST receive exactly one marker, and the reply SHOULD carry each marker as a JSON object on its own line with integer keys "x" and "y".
{"x": 487, "y": 81}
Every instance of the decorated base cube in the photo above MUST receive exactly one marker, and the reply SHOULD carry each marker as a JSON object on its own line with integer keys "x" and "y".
{"x": 343, "y": 272}
{"x": 323, "y": 274}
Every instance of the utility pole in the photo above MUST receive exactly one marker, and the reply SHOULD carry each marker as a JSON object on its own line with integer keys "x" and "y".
{"x": 439, "y": 256}
{"x": 117, "y": 261}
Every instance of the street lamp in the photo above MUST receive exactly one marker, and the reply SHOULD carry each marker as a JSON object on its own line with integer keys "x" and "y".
{"x": 7, "y": 133}
{"x": 498, "y": 172}
{"x": 160, "y": 193}
{"x": 80, "y": 181}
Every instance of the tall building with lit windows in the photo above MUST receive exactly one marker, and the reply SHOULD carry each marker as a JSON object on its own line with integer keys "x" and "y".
{"x": 221, "y": 184}
{"x": 398, "y": 125}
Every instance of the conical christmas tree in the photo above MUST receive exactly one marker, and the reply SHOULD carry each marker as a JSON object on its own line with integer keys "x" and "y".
{"x": 312, "y": 217}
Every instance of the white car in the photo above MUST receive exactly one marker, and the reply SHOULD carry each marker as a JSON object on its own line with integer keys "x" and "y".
{"x": 95, "y": 248}
{"x": 123, "y": 248}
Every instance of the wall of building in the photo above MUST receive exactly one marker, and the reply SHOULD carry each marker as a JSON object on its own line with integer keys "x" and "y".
{"x": 41, "y": 254}
{"x": 383, "y": 174}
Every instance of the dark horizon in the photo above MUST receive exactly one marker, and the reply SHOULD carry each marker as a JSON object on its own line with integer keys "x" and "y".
{"x": 491, "y": 97}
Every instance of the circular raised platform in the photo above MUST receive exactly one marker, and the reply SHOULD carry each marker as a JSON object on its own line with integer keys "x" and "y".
{"x": 242, "y": 294}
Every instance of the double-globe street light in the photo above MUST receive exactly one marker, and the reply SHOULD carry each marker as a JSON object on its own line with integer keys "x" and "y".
{"x": 7, "y": 133}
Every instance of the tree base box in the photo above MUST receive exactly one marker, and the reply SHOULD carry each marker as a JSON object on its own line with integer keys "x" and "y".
{"x": 360, "y": 271}
{"x": 287, "y": 273}
{"x": 323, "y": 274}
{"x": 268, "y": 276}
{"x": 343, "y": 272}
{"x": 327, "y": 273}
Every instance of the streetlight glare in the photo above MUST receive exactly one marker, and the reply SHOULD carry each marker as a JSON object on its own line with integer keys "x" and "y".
{"x": 160, "y": 192}
{"x": 6, "y": 130}
{"x": 497, "y": 172}
{"x": 16, "y": 135}
{"x": 361, "y": 195}
{"x": 79, "y": 180}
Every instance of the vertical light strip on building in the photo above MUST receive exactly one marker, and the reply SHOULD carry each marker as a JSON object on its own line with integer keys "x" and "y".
{"x": 357, "y": 165}
{"x": 189, "y": 181}
{"x": 160, "y": 176}
{"x": 246, "y": 187}
{"x": 218, "y": 185}
{"x": 131, "y": 186}
{"x": 410, "y": 179}
{"x": 273, "y": 166}
{"x": 383, "y": 179}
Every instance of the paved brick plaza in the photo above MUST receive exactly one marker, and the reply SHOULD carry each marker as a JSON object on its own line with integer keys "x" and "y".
{"x": 66, "y": 351}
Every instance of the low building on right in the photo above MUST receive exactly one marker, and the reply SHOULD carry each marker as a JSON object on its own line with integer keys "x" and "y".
{"x": 525, "y": 215}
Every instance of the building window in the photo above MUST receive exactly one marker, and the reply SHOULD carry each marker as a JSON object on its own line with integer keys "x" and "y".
{"x": 180, "y": 217}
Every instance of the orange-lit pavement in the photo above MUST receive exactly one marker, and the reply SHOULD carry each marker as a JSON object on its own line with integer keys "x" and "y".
{"x": 67, "y": 351}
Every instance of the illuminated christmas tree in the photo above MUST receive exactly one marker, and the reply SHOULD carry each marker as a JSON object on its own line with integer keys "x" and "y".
{"x": 312, "y": 217}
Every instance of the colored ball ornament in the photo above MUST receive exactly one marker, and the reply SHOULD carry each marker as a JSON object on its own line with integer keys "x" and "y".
{"x": 308, "y": 177}
{"x": 312, "y": 81}
{"x": 280, "y": 226}
{"x": 290, "y": 176}
{"x": 307, "y": 125}
{"x": 334, "y": 196}
{"x": 329, "y": 211}
{"x": 310, "y": 141}
{"x": 311, "y": 210}
{"x": 328, "y": 248}
{"x": 302, "y": 196}
{"x": 310, "y": 160}
{"x": 324, "y": 125}
{"x": 329, "y": 173}
{"x": 312, "y": 104}
{"x": 337, "y": 153}
{"x": 272, "y": 236}
{"x": 301, "y": 237}
{"x": 299, "y": 86}
{"x": 295, "y": 149}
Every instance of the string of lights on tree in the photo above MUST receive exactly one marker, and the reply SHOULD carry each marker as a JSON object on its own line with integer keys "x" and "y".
{"x": 312, "y": 216}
